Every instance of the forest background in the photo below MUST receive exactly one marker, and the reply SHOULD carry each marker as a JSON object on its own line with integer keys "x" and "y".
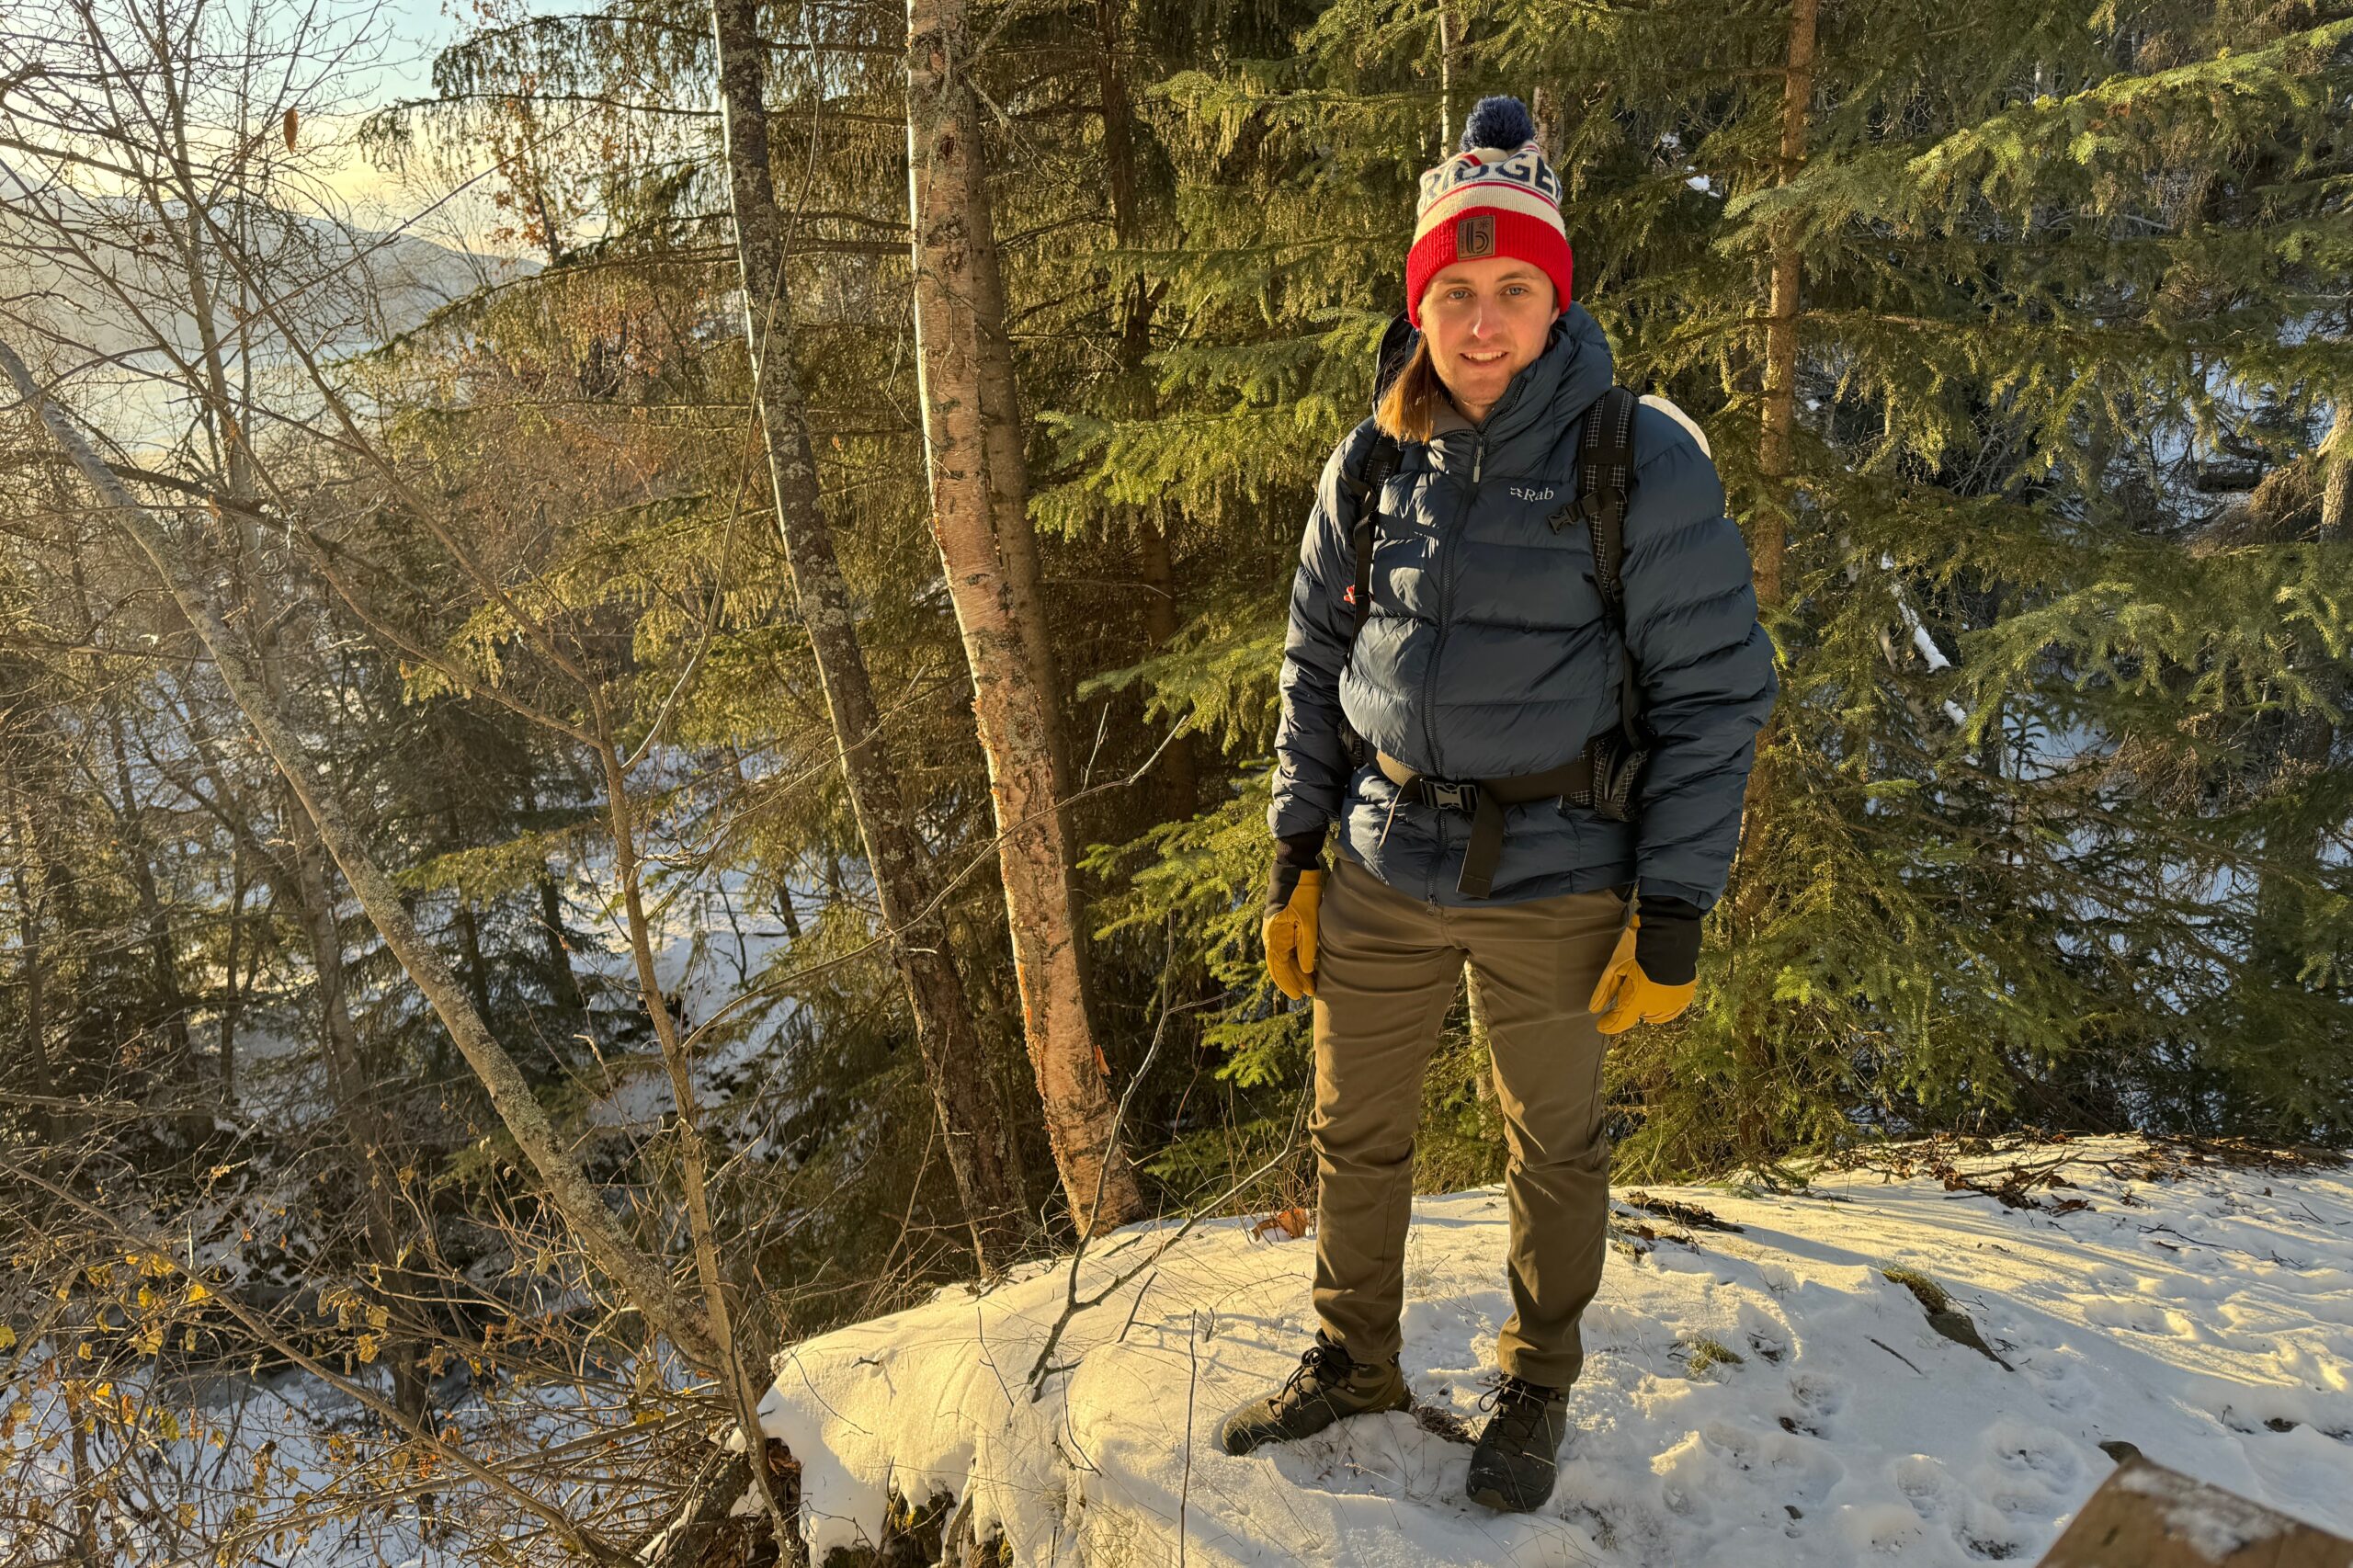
{"x": 569, "y": 827}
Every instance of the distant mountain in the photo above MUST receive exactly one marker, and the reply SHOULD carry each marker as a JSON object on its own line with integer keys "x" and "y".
{"x": 103, "y": 294}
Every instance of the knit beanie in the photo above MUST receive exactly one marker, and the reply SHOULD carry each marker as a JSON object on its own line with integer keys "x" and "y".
{"x": 1497, "y": 197}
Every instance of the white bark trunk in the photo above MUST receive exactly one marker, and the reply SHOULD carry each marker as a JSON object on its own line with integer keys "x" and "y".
{"x": 1015, "y": 725}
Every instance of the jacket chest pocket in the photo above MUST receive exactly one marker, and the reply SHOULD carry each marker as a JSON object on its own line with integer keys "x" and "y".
{"x": 1518, "y": 569}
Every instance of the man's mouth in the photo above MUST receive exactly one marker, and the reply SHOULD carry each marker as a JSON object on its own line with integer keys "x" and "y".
{"x": 1491, "y": 358}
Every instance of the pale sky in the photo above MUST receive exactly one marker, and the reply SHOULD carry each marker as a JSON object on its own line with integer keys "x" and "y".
{"x": 413, "y": 31}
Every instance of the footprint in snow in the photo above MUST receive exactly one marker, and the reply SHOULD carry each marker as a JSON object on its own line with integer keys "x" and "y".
{"x": 1820, "y": 1397}
{"x": 2025, "y": 1469}
{"x": 1975, "y": 1525}
{"x": 1767, "y": 1332}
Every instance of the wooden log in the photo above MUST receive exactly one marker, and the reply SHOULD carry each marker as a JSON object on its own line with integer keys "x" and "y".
{"x": 2145, "y": 1516}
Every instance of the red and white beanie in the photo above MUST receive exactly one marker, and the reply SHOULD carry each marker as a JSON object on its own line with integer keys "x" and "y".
{"x": 1497, "y": 197}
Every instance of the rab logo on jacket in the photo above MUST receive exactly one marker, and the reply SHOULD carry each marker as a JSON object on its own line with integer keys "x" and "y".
{"x": 1524, "y": 492}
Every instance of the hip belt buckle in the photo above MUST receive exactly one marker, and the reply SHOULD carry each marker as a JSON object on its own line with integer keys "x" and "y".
{"x": 1450, "y": 796}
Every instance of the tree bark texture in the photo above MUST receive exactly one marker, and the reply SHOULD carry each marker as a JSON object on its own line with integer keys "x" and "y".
{"x": 1033, "y": 852}
{"x": 1008, "y": 468}
{"x": 971, "y": 1123}
{"x": 645, "y": 1282}
{"x": 2337, "y": 487}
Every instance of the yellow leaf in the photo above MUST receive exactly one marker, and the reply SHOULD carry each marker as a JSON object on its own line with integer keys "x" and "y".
{"x": 8, "y": 1337}
{"x": 197, "y": 1292}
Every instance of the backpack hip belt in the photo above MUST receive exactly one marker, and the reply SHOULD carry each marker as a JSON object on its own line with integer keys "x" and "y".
{"x": 1484, "y": 800}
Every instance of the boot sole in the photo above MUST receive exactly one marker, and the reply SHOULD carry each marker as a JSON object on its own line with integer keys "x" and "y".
{"x": 1489, "y": 1497}
{"x": 1404, "y": 1401}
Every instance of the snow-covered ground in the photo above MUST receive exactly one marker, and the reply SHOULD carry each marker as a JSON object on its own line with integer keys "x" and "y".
{"x": 2206, "y": 1319}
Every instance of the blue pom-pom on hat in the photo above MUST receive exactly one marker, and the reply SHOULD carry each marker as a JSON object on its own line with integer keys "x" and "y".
{"x": 1499, "y": 121}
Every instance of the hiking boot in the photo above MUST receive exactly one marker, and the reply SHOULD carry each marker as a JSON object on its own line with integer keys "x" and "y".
{"x": 1328, "y": 1384}
{"x": 1520, "y": 1452}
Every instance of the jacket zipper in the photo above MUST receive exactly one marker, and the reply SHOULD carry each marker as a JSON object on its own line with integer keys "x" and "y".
{"x": 1446, "y": 605}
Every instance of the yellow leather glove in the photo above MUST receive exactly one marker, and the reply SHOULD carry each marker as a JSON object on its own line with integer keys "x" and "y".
{"x": 1290, "y": 929}
{"x": 1627, "y": 997}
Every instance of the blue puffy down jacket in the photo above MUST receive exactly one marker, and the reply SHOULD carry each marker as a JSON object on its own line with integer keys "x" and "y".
{"x": 1487, "y": 653}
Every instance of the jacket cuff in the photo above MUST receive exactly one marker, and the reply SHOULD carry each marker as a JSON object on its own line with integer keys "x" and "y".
{"x": 1303, "y": 850}
{"x": 1666, "y": 944}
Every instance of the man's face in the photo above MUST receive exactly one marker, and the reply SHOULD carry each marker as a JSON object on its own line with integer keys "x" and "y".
{"x": 1485, "y": 319}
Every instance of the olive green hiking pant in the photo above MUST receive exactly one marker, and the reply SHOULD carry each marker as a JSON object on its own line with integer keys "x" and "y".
{"x": 1387, "y": 967}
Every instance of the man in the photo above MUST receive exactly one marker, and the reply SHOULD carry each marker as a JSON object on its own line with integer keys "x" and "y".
{"x": 1483, "y": 677}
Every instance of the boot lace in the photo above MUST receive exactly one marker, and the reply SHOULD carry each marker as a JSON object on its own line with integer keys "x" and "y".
{"x": 1515, "y": 1399}
{"x": 1323, "y": 1365}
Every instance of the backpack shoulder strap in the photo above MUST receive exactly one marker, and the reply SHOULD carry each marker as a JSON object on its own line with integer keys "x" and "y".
{"x": 1605, "y": 478}
{"x": 1604, "y": 475}
{"x": 1380, "y": 462}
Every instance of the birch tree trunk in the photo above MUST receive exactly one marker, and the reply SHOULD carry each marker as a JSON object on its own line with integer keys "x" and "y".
{"x": 971, "y": 1123}
{"x": 1008, "y": 468}
{"x": 1033, "y": 851}
{"x": 566, "y": 1186}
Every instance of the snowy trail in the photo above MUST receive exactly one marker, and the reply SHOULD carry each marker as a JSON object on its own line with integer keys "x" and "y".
{"x": 2208, "y": 1320}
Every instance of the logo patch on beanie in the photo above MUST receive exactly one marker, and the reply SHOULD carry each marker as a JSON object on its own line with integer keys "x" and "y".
{"x": 1475, "y": 236}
